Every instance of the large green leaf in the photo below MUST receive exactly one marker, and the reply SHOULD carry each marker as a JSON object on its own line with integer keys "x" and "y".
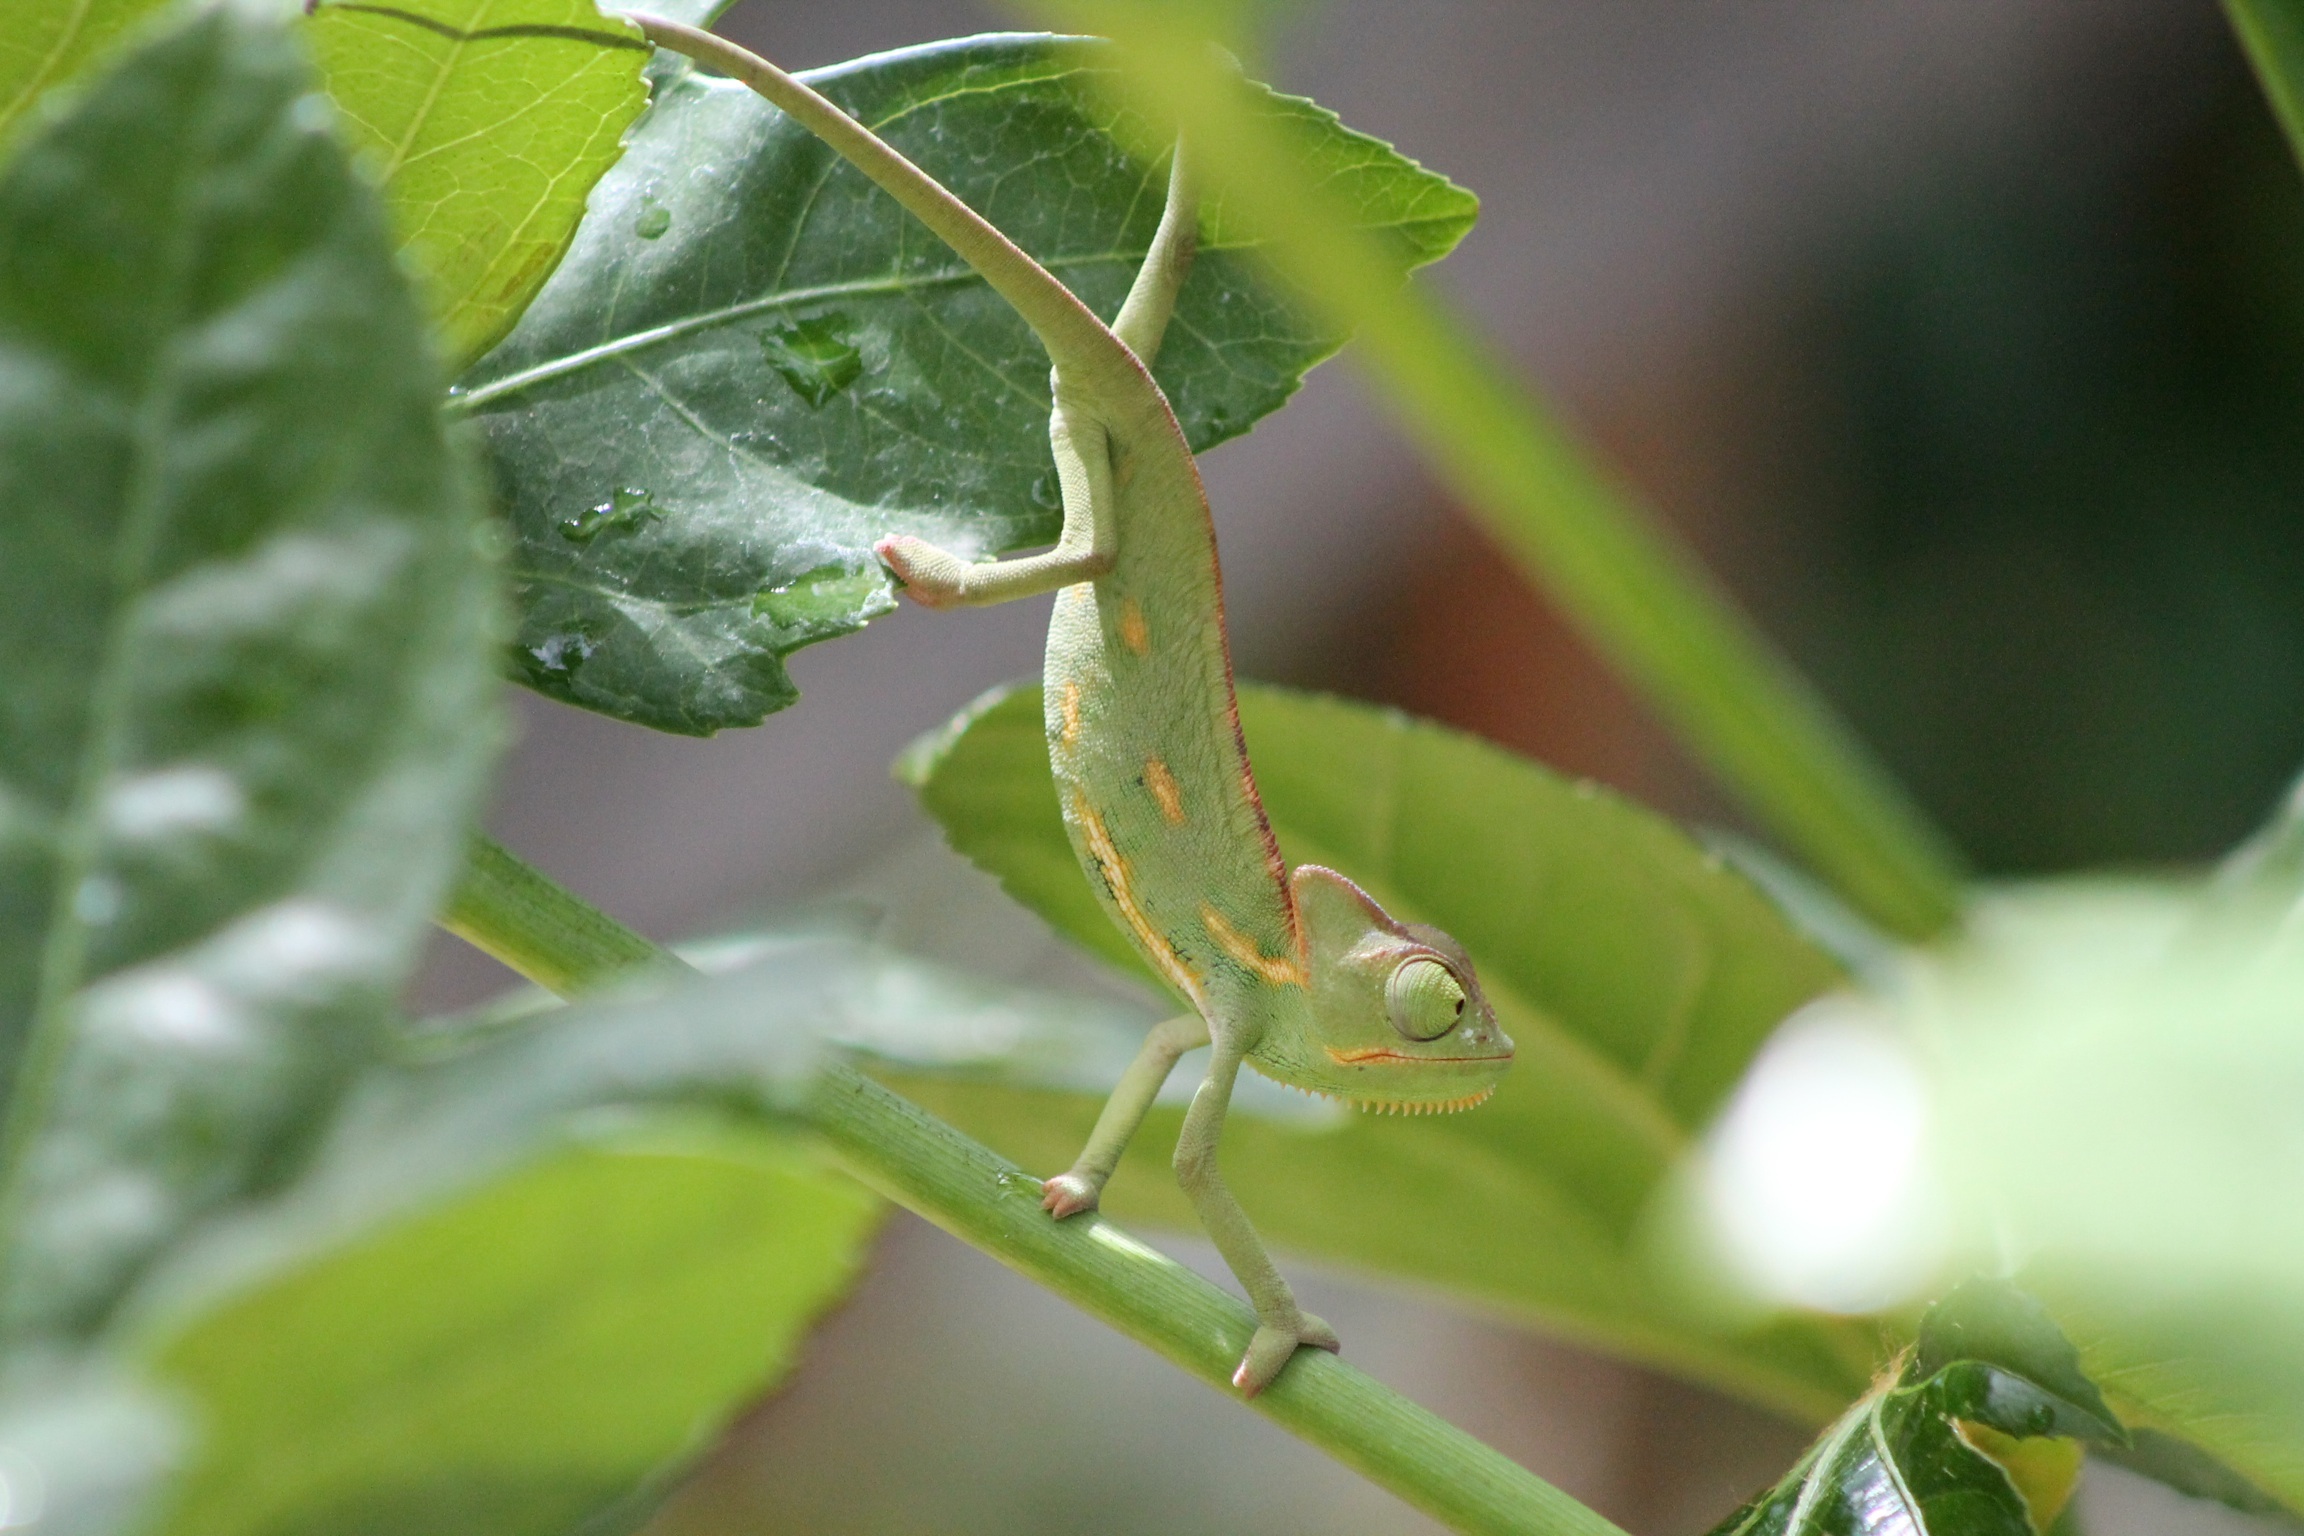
{"x": 488, "y": 121}
{"x": 537, "y": 1266}
{"x": 1635, "y": 972}
{"x": 1965, "y": 1442}
{"x": 524, "y": 1357}
{"x": 753, "y": 363}
{"x": 244, "y": 623}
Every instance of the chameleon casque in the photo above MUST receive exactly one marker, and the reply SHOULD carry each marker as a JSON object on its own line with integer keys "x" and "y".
{"x": 1297, "y": 972}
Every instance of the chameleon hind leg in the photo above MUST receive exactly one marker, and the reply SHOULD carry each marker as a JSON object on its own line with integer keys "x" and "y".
{"x": 937, "y": 578}
{"x": 1077, "y": 1189}
{"x": 1281, "y": 1325}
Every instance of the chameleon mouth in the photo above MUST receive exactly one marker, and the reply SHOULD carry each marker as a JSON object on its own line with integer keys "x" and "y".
{"x": 1385, "y": 1053}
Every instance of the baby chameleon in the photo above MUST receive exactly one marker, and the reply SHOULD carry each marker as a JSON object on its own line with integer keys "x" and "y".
{"x": 1299, "y": 973}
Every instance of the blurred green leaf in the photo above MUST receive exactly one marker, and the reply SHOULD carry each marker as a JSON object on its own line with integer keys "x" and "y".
{"x": 782, "y": 362}
{"x": 525, "y": 1357}
{"x": 2117, "y": 1067}
{"x": 1637, "y": 593}
{"x": 1908, "y": 1460}
{"x": 1636, "y": 974}
{"x": 245, "y": 626}
{"x": 44, "y": 43}
{"x": 488, "y": 122}
{"x": 540, "y": 1262}
{"x": 2272, "y": 32}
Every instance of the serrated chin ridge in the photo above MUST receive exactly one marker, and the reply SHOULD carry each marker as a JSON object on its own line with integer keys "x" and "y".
{"x": 1432, "y": 1107}
{"x": 1387, "y": 1107}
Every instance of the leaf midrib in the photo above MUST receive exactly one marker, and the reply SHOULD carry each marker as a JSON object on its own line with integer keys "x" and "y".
{"x": 64, "y": 956}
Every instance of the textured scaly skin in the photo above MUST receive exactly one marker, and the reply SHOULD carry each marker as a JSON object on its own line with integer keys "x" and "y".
{"x": 1301, "y": 973}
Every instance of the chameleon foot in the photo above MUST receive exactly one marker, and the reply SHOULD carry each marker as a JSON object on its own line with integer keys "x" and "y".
{"x": 1068, "y": 1194}
{"x": 932, "y": 577}
{"x": 1273, "y": 1347}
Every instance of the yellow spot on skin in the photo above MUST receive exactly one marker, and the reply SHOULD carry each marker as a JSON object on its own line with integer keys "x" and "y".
{"x": 1284, "y": 972}
{"x": 1134, "y": 632}
{"x": 1162, "y": 783}
{"x": 1114, "y": 868}
{"x": 1070, "y": 734}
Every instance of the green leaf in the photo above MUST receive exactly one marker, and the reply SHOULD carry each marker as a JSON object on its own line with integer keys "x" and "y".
{"x": 536, "y": 1266}
{"x": 789, "y": 366}
{"x": 1909, "y": 1459}
{"x": 2004, "y": 1362}
{"x": 525, "y": 1357}
{"x": 244, "y": 621}
{"x": 488, "y": 122}
{"x": 44, "y": 43}
{"x": 1636, "y": 973}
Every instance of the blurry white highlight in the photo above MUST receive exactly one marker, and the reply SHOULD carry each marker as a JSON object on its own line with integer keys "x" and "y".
{"x": 1815, "y": 1181}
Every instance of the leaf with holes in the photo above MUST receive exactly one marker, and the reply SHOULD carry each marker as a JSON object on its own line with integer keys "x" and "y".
{"x": 488, "y": 121}
{"x": 1636, "y": 974}
{"x": 245, "y": 623}
{"x": 788, "y": 366}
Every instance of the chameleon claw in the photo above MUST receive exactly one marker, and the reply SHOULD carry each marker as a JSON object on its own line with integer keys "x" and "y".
{"x": 932, "y": 577}
{"x": 1067, "y": 1194}
{"x": 1273, "y": 1347}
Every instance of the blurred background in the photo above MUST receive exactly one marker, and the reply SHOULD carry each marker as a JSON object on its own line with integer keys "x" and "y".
{"x": 1965, "y": 339}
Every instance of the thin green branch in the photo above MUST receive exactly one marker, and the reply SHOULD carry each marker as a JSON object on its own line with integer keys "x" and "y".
{"x": 1633, "y": 590}
{"x": 532, "y": 925}
{"x": 2272, "y": 33}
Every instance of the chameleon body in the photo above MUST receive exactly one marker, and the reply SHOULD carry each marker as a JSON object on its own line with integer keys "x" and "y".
{"x": 1298, "y": 973}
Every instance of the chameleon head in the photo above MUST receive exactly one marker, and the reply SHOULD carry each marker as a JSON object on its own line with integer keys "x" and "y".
{"x": 1396, "y": 1020}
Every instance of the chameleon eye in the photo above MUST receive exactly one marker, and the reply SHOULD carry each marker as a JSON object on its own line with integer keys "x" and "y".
{"x": 1425, "y": 999}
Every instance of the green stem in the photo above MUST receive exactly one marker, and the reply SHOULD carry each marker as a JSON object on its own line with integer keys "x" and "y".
{"x": 2272, "y": 33}
{"x": 898, "y": 1149}
{"x": 1634, "y": 591}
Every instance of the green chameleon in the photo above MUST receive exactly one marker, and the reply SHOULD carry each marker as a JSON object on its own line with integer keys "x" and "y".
{"x": 1299, "y": 972}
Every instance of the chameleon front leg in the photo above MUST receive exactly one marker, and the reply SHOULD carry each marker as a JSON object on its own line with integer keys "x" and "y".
{"x": 1280, "y": 1324}
{"x": 1084, "y": 551}
{"x": 937, "y": 578}
{"x": 1077, "y": 1189}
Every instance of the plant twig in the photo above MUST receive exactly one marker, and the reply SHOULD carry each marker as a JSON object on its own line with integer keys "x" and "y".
{"x": 898, "y": 1149}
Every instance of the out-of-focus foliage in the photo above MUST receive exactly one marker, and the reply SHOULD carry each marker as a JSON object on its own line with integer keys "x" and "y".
{"x": 44, "y": 45}
{"x": 2050, "y": 542}
{"x": 242, "y": 621}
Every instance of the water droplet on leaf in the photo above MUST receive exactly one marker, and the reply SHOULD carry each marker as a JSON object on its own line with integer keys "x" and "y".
{"x": 627, "y": 510}
{"x": 562, "y": 654}
{"x": 816, "y": 357}
{"x": 654, "y": 219}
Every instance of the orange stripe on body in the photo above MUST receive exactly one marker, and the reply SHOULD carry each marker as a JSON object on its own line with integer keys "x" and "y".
{"x": 1069, "y": 735}
{"x": 1287, "y": 971}
{"x": 1162, "y": 783}
{"x": 1134, "y": 632}
{"x": 1114, "y": 869}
